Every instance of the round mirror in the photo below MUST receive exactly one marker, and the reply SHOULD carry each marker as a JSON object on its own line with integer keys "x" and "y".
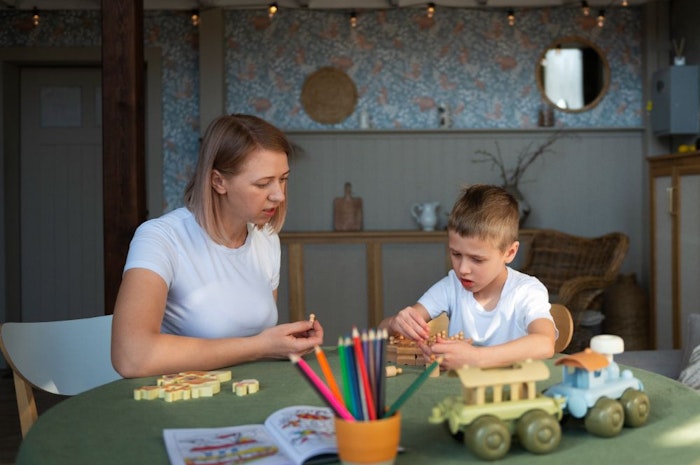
{"x": 573, "y": 74}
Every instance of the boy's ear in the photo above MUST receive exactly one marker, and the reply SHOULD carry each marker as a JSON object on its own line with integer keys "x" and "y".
{"x": 511, "y": 252}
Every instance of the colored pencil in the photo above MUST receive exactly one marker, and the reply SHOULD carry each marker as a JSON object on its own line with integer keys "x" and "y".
{"x": 347, "y": 391}
{"x": 412, "y": 388}
{"x": 327, "y": 373}
{"x": 352, "y": 373}
{"x": 365, "y": 390}
{"x": 371, "y": 366}
{"x": 321, "y": 388}
{"x": 381, "y": 374}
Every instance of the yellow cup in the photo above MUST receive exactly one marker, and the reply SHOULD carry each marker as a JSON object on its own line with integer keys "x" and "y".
{"x": 368, "y": 442}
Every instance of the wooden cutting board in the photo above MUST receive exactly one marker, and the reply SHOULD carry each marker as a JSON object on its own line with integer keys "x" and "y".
{"x": 347, "y": 211}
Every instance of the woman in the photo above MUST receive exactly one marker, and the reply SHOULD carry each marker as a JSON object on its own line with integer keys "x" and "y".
{"x": 200, "y": 283}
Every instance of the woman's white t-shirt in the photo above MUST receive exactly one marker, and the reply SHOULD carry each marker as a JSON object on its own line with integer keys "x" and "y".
{"x": 213, "y": 291}
{"x": 523, "y": 299}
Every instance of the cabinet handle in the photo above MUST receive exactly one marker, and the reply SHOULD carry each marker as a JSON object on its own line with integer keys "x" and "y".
{"x": 670, "y": 194}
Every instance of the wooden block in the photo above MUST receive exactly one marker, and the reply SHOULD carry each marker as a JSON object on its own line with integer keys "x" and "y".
{"x": 408, "y": 351}
{"x": 176, "y": 392}
{"x": 347, "y": 211}
{"x": 166, "y": 380}
{"x": 146, "y": 393}
{"x": 245, "y": 387}
{"x": 221, "y": 375}
{"x": 204, "y": 389}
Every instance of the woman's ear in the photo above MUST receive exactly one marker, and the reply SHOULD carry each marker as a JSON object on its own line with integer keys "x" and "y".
{"x": 511, "y": 252}
{"x": 217, "y": 182}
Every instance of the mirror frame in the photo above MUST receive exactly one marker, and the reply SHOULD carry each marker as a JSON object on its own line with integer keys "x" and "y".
{"x": 606, "y": 70}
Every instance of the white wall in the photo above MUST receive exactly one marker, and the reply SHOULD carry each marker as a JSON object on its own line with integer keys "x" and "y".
{"x": 592, "y": 183}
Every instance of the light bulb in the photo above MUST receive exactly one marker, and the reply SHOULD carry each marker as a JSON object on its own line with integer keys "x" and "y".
{"x": 35, "y": 16}
{"x": 511, "y": 18}
{"x": 272, "y": 10}
{"x": 601, "y": 18}
{"x": 585, "y": 8}
{"x": 430, "y": 10}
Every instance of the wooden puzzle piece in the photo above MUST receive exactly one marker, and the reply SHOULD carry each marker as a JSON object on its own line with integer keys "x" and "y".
{"x": 184, "y": 386}
{"x": 245, "y": 387}
{"x": 402, "y": 351}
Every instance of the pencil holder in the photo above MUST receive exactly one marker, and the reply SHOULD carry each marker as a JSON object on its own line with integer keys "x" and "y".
{"x": 368, "y": 442}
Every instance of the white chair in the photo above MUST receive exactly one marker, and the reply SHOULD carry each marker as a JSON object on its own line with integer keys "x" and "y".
{"x": 61, "y": 357}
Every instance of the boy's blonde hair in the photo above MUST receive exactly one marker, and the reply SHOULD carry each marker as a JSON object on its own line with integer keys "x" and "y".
{"x": 487, "y": 212}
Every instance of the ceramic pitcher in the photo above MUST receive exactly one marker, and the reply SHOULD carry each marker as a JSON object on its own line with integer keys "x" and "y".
{"x": 426, "y": 214}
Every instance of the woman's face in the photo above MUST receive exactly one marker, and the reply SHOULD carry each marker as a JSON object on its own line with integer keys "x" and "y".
{"x": 253, "y": 195}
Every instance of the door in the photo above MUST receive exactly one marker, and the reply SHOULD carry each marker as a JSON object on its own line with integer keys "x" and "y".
{"x": 663, "y": 264}
{"x": 688, "y": 248}
{"x": 61, "y": 236}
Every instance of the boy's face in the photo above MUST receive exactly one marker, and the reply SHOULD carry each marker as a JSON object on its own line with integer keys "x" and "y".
{"x": 479, "y": 263}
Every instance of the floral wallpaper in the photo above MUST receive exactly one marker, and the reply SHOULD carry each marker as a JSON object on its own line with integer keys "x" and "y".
{"x": 404, "y": 67}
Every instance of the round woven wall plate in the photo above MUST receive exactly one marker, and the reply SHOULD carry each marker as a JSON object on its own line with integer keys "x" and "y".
{"x": 328, "y": 96}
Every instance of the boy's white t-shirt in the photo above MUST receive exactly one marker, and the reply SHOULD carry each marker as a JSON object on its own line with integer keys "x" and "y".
{"x": 523, "y": 299}
{"x": 213, "y": 291}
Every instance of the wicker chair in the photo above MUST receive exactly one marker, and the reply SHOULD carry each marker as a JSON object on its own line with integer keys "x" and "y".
{"x": 576, "y": 270}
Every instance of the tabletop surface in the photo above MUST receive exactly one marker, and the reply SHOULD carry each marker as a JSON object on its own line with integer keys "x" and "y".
{"x": 107, "y": 426}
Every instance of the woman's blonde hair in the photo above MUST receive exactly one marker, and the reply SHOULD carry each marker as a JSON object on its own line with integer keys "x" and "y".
{"x": 228, "y": 142}
{"x": 486, "y": 212}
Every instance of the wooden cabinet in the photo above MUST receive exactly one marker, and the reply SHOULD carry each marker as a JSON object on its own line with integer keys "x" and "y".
{"x": 373, "y": 241}
{"x": 674, "y": 182}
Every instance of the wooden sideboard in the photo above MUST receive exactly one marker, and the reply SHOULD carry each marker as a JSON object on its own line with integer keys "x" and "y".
{"x": 373, "y": 242}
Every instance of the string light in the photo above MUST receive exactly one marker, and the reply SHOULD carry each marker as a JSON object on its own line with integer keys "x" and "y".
{"x": 353, "y": 19}
{"x": 35, "y": 16}
{"x": 272, "y": 10}
{"x": 511, "y": 18}
{"x": 195, "y": 18}
{"x": 601, "y": 18}
{"x": 585, "y": 8}
{"x": 430, "y": 10}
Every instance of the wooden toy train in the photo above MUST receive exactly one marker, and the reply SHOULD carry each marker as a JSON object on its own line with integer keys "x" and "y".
{"x": 497, "y": 403}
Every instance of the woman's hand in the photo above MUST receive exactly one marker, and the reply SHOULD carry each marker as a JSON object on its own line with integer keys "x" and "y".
{"x": 291, "y": 338}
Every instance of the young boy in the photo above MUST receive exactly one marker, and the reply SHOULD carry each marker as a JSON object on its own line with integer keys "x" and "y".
{"x": 503, "y": 313}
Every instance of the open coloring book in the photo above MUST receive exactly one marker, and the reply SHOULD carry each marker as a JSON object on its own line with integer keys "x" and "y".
{"x": 294, "y": 435}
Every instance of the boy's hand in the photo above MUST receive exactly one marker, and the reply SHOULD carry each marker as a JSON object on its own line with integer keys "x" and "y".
{"x": 411, "y": 323}
{"x": 454, "y": 353}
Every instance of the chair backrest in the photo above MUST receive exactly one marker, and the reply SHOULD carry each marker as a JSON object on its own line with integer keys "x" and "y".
{"x": 61, "y": 357}
{"x": 565, "y": 324}
{"x": 555, "y": 257}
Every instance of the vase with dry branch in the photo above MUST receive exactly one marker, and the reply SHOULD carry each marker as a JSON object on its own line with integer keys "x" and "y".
{"x": 512, "y": 175}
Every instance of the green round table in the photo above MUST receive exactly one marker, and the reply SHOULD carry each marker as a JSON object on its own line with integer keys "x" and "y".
{"x": 107, "y": 426}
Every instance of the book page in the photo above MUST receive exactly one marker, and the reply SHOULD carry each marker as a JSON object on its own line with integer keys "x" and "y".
{"x": 227, "y": 445}
{"x": 304, "y": 431}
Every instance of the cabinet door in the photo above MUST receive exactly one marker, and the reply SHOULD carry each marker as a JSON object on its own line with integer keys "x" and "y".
{"x": 689, "y": 248}
{"x": 663, "y": 269}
